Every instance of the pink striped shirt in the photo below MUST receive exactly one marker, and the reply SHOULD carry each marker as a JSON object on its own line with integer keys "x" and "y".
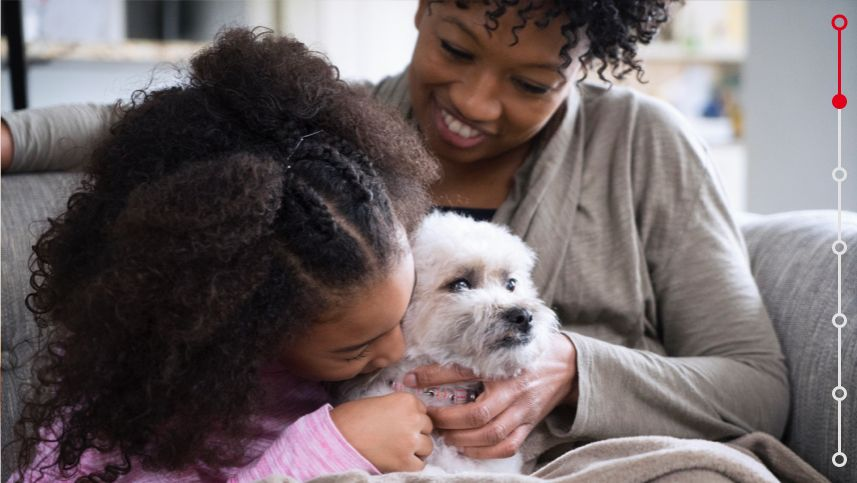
{"x": 303, "y": 443}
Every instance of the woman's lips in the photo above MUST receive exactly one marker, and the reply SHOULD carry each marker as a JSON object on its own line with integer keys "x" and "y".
{"x": 447, "y": 125}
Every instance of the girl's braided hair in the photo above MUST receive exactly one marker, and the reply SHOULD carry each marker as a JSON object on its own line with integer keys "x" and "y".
{"x": 219, "y": 218}
{"x": 613, "y": 28}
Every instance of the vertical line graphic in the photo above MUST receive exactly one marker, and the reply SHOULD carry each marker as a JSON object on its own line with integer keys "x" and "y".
{"x": 839, "y": 23}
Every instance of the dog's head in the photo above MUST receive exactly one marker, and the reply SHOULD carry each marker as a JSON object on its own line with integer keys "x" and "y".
{"x": 475, "y": 304}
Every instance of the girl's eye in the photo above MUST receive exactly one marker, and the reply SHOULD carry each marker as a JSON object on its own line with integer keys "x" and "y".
{"x": 361, "y": 355}
{"x": 460, "y": 285}
{"x": 455, "y": 52}
{"x": 510, "y": 285}
{"x": 531, "y": 88}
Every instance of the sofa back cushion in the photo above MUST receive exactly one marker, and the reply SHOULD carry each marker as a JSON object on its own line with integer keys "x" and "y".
{"x": 796, "y": 270}
{"x": 27, "y": 202}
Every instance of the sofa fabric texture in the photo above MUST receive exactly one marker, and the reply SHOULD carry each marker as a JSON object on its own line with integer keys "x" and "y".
{"x": 794, "y": 265}
{"x": 792, "y": 261}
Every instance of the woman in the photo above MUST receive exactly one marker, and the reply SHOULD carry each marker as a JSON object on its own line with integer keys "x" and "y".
{"x": 639, "y": 255}
{"x": 638, "y": 252}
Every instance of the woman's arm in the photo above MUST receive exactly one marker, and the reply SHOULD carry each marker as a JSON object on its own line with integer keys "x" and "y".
{"x": 723, "y": 373}
{"x": 56, "y": 138}
{"x": 6, "y": 147}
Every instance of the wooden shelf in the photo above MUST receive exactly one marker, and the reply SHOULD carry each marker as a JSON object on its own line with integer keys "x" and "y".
{"x": 129, "y": 51}
{"x": 673, "y": 52}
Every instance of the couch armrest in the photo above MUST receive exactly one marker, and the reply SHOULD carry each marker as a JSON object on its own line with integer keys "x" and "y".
{"x": 796, "y": 270}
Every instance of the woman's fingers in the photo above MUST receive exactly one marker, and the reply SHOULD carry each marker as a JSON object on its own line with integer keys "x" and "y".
{"x": 498, "y": 396}
{"x": 437, "y": 375}
{"x": 505, "y": 449}
{"x": 493, "y": 433}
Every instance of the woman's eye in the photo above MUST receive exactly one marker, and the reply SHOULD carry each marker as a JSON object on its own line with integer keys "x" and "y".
{"x": 460, "y": 285}
{"x": 511, "y": 284}
{"x": 455, "y": 52}
{"x": 531, "y": 88}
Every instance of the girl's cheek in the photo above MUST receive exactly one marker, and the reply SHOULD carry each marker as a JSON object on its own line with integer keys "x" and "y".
{"x": 390, "y": 350}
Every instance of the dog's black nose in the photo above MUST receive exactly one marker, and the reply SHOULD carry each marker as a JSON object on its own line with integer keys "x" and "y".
{"x": 520, "y": 318}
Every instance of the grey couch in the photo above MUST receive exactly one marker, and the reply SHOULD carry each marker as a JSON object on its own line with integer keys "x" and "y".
{"x": 791, "y": 257}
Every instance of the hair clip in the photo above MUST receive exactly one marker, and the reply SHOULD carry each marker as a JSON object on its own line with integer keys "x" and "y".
{"x": 295, "y": 149}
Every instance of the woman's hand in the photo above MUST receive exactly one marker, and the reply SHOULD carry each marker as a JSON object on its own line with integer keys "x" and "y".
{"x": 496, "y": 424}
{"x": 6, "y": 148}
{"x": 391, "y": 431}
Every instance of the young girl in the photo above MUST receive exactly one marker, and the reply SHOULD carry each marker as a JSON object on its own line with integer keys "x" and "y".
{"x": 237, "y": 239}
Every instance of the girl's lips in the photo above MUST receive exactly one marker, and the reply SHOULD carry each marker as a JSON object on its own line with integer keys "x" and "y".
{"x": 450, "y": 136}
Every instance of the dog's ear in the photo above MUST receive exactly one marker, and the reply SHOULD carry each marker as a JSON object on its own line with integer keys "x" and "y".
{"x": 530, "y": 257}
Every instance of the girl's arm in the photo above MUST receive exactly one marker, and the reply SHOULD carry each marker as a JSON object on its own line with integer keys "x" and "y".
{"x": 55, "y": 138}
{"x": 311, "y": 446}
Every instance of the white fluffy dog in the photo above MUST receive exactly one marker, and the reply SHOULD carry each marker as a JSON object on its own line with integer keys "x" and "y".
{"x": 474, "y": 305}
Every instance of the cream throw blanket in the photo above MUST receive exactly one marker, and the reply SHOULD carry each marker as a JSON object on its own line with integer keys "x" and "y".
{"x": 659, "y": 459}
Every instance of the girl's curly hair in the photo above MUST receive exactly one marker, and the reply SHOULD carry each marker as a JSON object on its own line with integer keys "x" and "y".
{"x": 218, "y": 217}
{"x": 613, "y": 28}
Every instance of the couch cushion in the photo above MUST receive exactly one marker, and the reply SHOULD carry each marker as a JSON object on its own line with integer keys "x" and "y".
{"x": 796, "y": 270}
{"x": 27, "y": 201}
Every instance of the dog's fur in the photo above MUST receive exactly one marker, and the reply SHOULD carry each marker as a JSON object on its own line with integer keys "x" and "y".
{"x": 484, "y": 328}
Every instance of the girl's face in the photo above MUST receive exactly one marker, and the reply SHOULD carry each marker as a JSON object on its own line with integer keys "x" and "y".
{"x": 358, "y": 337}
{"x": 475, "y": 97}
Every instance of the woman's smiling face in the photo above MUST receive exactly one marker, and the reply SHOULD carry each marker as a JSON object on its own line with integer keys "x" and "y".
{"x": 474, "y": 96}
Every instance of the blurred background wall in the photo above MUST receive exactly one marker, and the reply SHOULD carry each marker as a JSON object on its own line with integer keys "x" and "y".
{"x": 755, "y": 78}
{"x": 790, "y": 78}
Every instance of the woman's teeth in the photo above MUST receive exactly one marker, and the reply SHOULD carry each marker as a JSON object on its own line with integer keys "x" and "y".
{"x": 458, "y": 127}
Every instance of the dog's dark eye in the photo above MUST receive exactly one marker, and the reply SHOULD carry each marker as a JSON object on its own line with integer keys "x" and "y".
{"x": 459, "y": 285}
{"x": 511, "y": 284}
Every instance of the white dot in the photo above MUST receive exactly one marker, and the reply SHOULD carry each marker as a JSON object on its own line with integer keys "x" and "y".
{"x": 839, "y": 175}
{"x": 839, "y": 459}
{"x": 839, "y": 393}
{"x": 839, "y": 320}
{"x": 839, "y": 247}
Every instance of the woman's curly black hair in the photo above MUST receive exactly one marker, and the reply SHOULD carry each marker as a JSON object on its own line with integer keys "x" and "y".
{"x": 219, "y": 217}
{"x": 613, "y": 28}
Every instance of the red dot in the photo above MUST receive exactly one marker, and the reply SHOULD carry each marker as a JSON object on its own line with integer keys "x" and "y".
{"x": 841, "y": 25}
{"x": 839, "y": 101}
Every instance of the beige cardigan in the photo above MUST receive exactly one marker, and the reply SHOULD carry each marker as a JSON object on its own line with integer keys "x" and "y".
{"x": 648, "y": 272}
{"x": 639, "y": 256}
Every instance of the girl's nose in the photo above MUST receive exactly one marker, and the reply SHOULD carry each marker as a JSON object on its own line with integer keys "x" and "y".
{"x": 477, "y": 96}
{"x": 390, "y": 349}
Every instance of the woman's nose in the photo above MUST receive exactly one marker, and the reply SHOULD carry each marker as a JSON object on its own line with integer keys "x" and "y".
{"x": 477, "y": 96}
{"x": 390, "y": 349}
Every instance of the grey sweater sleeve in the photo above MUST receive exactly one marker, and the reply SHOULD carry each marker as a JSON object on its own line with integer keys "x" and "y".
{"x": 58, "y": 138}
{"x": 723, "y": 373}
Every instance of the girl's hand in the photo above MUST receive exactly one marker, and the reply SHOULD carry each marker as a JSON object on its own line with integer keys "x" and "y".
{"x": 496, "y": 424}
{"x": 391, "y": 431}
